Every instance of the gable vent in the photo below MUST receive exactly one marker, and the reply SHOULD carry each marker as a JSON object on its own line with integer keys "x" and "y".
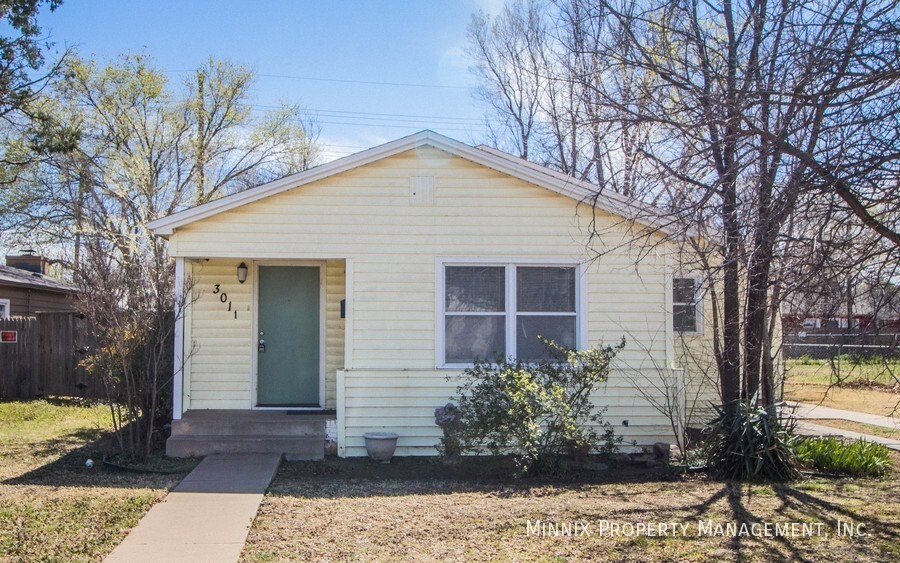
{"x": 421, "y": 190}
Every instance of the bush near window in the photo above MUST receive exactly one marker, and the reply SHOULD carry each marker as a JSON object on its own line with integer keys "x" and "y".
{"x": 751, "y": 443}
{"x": 539, "y": 412}
{"x": 859, "y": 458}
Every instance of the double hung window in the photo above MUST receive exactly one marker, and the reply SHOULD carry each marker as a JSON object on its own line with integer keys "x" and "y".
{"x": 686, "y": 305}
{"x": 493, "y": 311}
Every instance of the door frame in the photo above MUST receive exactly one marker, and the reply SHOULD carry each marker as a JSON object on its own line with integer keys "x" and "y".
{"x": 254, "y": 335}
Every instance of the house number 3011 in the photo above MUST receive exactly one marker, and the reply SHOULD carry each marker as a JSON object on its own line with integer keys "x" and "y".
{"x": 223, "y": 297}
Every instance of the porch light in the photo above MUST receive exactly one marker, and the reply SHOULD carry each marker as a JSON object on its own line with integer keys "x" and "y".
{"x": 242, "y": 272}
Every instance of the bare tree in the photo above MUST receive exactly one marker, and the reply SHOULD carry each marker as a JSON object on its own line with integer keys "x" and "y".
{"x": 144, "y": 150}
{"x": 546, "y": 85}
{"x": 509, "y": 58}
{"x": 770, "y": 129}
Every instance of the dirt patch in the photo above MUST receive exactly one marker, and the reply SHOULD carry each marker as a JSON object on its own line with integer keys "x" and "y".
{"x": 872, "y": 386}
{"x": 416, "y": 511}
{"x": 859, "y": 400}
{"x": 859, "y": 427}
{"x": 485, "y": 469}
{"x": 869, "y": 388}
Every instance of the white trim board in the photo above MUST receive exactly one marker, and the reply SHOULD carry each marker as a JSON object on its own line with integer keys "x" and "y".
{"x": 630, "y": 209}
{"x": 182, "y": 301}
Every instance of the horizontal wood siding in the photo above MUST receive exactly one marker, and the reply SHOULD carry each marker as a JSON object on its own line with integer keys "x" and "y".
{"x": 334, "y": 327}
{"x": 365, "y": 215}
{"x": 219, "y": 370}
{"x": 694, "y": 353}
{"x": 218, "y": 374}
{"x": 24, "y": 301}
{"x": 404, "y": 402}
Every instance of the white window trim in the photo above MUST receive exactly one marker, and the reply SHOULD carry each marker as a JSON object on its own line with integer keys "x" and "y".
{"x": 509, "y": 264}
{"x": 6, "y": 312}
{"x": 699, "y": 296}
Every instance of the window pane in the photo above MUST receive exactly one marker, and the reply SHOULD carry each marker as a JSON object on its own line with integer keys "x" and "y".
{"x": 475, "y": 288}
{"x": 559, "y": 329}
{"x": 683, "y": 290}
{"x": 545, "y": 290}
{"x": 469, "y": 338}
{"x": 684, "y": 318}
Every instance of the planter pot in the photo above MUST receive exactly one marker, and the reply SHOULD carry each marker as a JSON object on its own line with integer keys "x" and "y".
{"x": 381, "y": 445}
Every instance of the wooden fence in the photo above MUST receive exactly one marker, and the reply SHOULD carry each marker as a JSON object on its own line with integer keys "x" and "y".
{"x": 45, "y": 358}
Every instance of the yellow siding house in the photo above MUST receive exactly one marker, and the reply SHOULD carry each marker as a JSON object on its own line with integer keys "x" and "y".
{"x": 350, "y": 295}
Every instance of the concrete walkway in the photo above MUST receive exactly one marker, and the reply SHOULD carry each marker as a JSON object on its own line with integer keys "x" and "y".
{"x": 808, "y": 411}
{"x": 207, "y": 516}
{"x": 809, "y": 429}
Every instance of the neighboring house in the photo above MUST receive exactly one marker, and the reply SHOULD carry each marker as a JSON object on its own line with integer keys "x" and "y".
{"x": 25, "y": 288}
{"x": 358, "y": 289}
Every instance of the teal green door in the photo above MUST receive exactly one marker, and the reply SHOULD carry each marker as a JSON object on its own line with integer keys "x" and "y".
{"x": 287, "y": 358}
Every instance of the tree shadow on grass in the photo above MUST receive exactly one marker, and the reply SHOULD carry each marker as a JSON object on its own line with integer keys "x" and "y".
{"x": 632, "y": 498}
{"x": 62, "y": 401}
{"x": 832, "y": 512}
{"x": 69, "y": 469}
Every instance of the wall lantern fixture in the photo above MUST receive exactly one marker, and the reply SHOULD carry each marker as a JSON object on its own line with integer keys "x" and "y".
{"x": 242, "y": 272}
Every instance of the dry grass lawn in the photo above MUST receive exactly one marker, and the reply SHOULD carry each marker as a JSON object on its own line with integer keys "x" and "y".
{"x": 862, "y": 388}
{"x": 414, "y": 510}
{"x": 53, "y": 508}
{"x": 859, "y": 427}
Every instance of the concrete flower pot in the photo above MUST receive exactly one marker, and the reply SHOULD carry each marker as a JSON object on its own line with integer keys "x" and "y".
{"x": 381, "y": 445}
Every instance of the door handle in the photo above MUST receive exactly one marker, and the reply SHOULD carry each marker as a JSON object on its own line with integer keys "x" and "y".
{"x": 262, "y": 345}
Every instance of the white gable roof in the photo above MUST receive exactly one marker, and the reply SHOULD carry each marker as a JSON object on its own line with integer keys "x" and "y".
{"x": 586, "y": 192}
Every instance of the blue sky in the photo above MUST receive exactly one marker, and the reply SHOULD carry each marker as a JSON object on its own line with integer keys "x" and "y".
{"x": 351, "y": 49}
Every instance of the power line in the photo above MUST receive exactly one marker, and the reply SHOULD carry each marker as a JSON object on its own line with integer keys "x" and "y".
{"x": 410, "y": 126}
{"x": 396, "y": 123}
{"x": 345, "y": 81}
{"x": 378, "y": 116}
{"x": 343, "y": 146}
{"x": 396, "y": 115}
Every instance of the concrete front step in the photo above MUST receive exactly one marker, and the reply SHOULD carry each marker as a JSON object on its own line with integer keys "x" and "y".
{"x": 294, "y": 448}
{"x": 286, "y": 426}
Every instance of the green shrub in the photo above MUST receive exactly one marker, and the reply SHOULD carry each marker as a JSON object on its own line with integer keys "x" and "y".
{"x": 865, "y": 359}
{"x": 859, "y": 458}
{"x": 751, "y": 443}
{"x": 806, "y": 360}
{"x": 539, "y": 413}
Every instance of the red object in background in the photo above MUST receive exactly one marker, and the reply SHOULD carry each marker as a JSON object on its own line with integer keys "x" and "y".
{"x": 10, "y": 336}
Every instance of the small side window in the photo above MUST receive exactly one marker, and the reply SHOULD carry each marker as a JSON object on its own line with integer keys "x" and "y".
{"x": 4, "y": 308}
{"x": 685, "y": 305}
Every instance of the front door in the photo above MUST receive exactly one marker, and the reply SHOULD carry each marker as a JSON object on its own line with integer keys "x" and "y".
{"x": 287, "y": 360}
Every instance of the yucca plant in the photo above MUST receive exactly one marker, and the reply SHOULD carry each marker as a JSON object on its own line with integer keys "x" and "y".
{"x": 859, "y": 458}
{"x": 752, "y": 443}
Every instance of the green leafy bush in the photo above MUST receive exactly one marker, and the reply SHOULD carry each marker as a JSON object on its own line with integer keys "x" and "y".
{"x": 806, "y": 360}
{"x": 865, "y": 359}
{"x": 859, "y": 458}
{"x": 751, "y": 443}
{"x": 539, "y": 413}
